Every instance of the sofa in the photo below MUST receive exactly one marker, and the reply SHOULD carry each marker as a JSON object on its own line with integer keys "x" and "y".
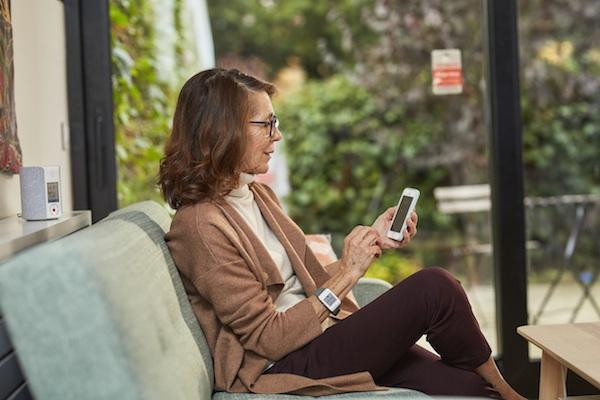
{"x": 102, "y": 314}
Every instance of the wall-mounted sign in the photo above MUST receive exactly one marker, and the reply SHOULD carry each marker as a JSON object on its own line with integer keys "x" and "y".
{"x": 446, "y": 69}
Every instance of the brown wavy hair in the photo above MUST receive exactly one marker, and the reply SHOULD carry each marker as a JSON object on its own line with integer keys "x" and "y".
{"x": 208, "y": 139}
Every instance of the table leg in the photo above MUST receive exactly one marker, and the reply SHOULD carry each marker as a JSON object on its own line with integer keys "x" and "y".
{"x": 553, "y": 376}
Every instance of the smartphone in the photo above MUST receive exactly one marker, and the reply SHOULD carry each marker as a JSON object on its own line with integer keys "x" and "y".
{"x": 406, "y": 205}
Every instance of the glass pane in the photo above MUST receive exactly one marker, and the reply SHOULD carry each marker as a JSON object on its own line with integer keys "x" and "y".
{"x": 360, "y": 123}
{"x": 560, "y": 68}
{"x": 156, "y": 46}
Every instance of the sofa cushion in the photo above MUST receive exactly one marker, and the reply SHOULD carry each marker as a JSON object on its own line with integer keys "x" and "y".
{"x": 153, "y": 210}
{"x": 320, "y": 244}
{"x": 392, "y": 393}
{"x": 54, "y": 310}
{"x": 368, "y": 289}
{"x": 160, "y": 216}
{"x": 95, "y": 315}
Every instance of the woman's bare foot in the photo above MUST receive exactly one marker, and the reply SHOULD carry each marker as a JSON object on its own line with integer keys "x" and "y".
{"x": 507, "y": 392}
{"x": 489, "y": 372}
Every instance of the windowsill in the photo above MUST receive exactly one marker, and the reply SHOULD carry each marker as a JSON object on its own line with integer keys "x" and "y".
{"x": 17, "y": 234}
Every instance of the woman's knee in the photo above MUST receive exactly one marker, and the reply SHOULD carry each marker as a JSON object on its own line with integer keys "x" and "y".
{"x": 440, "y": 283}
{"x": 439, "y": 277}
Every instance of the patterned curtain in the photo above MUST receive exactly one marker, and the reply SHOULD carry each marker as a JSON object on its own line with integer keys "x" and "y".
{"x": 10, "y": 150}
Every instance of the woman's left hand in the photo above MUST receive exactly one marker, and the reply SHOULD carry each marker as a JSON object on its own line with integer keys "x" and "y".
{"x": 382, "y": 224}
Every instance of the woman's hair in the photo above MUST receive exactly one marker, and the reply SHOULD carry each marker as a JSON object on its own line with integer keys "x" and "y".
{"x": 208, "y": 139}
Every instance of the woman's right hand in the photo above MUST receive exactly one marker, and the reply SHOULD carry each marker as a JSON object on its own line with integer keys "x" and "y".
{"x": 360, "y": 250}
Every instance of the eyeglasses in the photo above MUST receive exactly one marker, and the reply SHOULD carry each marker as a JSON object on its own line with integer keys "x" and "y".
{"x": 273, "y": 122}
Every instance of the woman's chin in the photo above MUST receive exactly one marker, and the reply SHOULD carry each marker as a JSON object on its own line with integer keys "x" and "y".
{"x": 263, "y": 169}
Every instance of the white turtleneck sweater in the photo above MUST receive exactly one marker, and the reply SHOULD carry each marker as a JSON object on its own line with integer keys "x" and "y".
{"x": 242, "y": 200}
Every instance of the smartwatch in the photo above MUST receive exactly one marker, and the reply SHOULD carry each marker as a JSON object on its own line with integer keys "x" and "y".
{"x": 329, "y": 300}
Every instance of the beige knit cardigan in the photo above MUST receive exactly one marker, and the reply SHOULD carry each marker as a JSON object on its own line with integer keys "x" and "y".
{"x": 232, "y": 283}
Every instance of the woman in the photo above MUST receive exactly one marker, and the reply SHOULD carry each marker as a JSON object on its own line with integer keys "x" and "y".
{"x": 254, "y": 283}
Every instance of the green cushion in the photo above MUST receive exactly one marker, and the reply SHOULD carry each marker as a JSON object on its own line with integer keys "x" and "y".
{"x": 95, "y": 315}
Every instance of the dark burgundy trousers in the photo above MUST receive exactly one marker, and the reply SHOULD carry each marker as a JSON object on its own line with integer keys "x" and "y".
{"x": 380, "y": 338}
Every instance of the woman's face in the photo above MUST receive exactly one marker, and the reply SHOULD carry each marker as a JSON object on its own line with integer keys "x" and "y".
{"x": 260, "y": 146}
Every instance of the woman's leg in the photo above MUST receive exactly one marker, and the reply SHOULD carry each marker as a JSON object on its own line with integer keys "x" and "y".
{"x": 442, "y": 379}
{"x": 377, "y": 336}
{"x": 490, "y": 372}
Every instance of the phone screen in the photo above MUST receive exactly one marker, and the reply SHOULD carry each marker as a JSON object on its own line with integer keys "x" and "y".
{"x": 401, "y": 214}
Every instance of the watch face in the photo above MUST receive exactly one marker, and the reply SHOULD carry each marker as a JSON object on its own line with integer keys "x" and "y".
{"x": 330, "y": 299}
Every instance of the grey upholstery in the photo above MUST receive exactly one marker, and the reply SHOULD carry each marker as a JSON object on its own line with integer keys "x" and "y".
{"x": 96, "y": 315}
{"x": 368, "y": 289}
{"x": 139, "y": 212}
{"x": 392, "y": 393}
{"x": 102, "y": 314}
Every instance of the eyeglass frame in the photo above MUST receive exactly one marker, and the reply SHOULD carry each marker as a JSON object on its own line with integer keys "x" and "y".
{"x": 273, "y": 122}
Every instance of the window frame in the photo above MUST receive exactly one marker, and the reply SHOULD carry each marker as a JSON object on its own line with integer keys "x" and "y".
{"x": 90, "y": 102}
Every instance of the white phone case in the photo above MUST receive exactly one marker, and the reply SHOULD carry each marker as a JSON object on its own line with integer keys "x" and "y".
{"x": 408, "y": 192}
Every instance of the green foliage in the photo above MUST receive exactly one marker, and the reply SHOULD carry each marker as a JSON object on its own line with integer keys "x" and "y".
{"x": 392, "y": 267}
{"x": 314, "y": 32}
{"x": 365, "y": 124}
{"x": 371, "y": 126}
{"x": 560, "y": 148}
{"x": 347, "y": 164}
{"x": 144, "y": 95}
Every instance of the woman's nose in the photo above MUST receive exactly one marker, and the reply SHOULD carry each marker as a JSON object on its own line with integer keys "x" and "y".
{"x": 276, "y": 135}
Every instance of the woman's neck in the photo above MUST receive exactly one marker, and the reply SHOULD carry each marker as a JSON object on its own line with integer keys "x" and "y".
{"x": 242, "y": 190}
{"x": 245, "y": 179}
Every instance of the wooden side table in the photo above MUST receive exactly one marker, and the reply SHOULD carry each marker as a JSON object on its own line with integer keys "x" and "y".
{"x": 569, "y": 346}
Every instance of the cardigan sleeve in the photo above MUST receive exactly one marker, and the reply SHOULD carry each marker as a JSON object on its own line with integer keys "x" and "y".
{"x": 240, "y": 299}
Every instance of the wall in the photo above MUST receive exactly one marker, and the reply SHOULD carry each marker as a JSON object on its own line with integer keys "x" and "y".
{"x": 40, "y": 95}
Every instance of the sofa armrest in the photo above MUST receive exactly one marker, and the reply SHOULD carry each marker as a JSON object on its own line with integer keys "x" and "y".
{"x": 368, "y": 289}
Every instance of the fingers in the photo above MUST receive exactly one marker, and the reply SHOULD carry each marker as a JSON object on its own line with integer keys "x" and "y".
{"x": 359, "y": 231}
{"x": 411, "y": 230}
{"x": 389, "y": 213}
{"x": 411, "y": 227}
{"x": 376, "y": 251}
{"x": 361, "y": 239}
{"x": 356, "y": 232}
{"x": 406, "y": 237}
{"x": 362, "y": 233}
{"x": 370, "y": 239}
{"x": 414, "y": 217}
{"x": 387, "y": 243}
{"x": 361, "y": 248}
